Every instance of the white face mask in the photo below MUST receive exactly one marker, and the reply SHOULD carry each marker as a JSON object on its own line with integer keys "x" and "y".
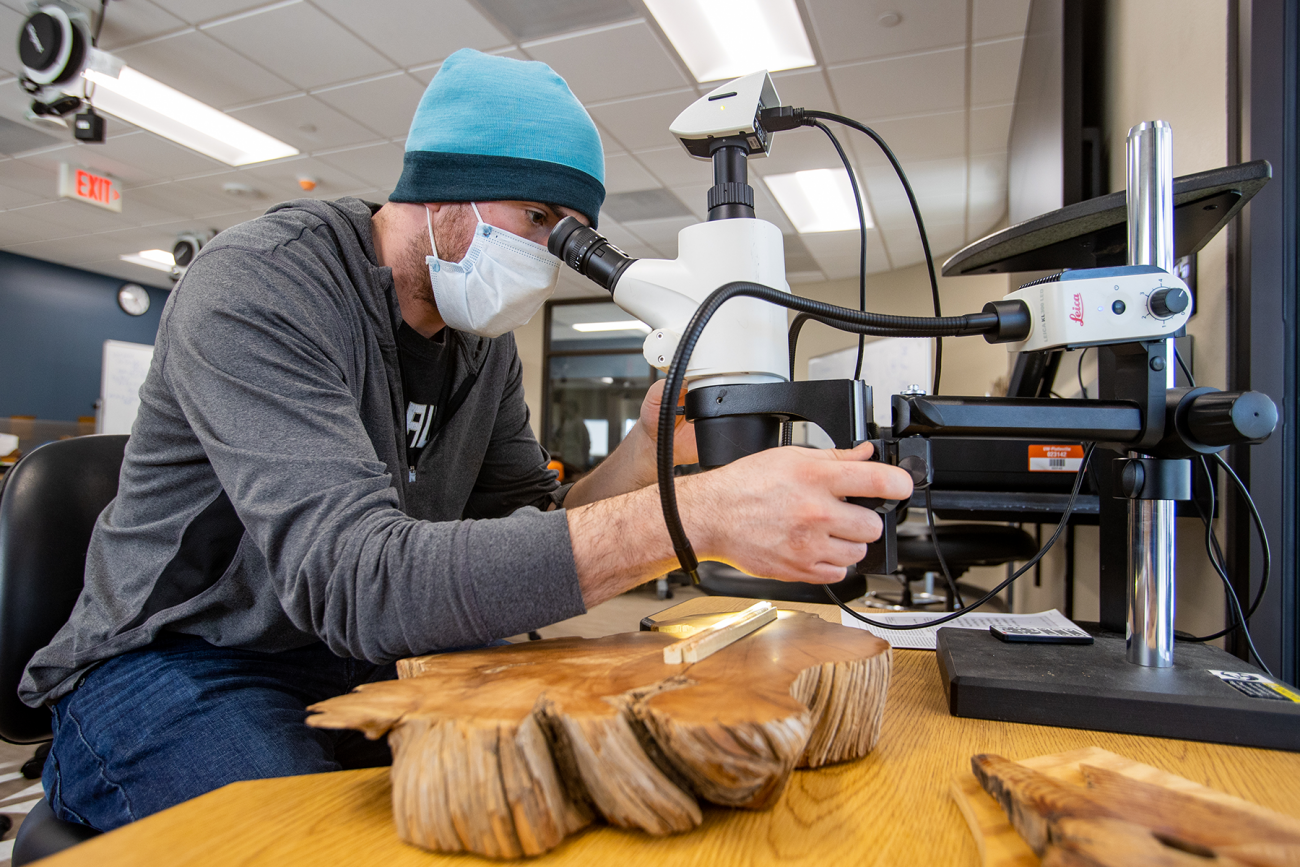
{"x": 500, "y": 283}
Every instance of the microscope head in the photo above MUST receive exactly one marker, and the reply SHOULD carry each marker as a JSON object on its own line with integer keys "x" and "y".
{"x": 728, "y": 113}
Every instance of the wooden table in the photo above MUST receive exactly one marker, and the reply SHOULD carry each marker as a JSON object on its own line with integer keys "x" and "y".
{"x": 889, "y": 808}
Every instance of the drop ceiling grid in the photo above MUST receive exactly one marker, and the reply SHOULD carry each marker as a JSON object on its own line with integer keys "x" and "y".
{"x": 348, "y": 93}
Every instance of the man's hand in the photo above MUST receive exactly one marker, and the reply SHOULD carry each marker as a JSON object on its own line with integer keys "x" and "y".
{"x": 776, "y": 514}
{"x": 633, "y": 465}
{"x": 781, "y": 513}
{"x": 648, "y": 426}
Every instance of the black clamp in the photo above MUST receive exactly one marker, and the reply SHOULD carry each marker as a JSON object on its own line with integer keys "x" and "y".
{"x": 1152, "y": 479}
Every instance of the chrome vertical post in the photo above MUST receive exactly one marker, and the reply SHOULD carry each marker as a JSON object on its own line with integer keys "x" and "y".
{"x": 1151, "y": 522}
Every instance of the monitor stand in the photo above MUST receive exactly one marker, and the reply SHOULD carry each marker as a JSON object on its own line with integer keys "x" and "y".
{"x": 1093, "y": 686}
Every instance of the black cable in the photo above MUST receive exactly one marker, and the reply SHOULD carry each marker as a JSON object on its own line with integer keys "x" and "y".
{"x": 854, "y": 321}
{"x": 943, "y": 564}
{"x": 1065, "y": 519}
{"x": 1250, "y": 502}
{"x": 1215, "y": 555}
{"x": 1078, "y": 373}
{"x": 811, "y": 114}
{"x": 862, "y": 241}
{"x": 99, "y": 25}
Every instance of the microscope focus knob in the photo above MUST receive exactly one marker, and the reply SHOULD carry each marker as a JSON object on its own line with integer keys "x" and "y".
{"x": 1225, "y": 418}
{"x": 1164, "y": 303}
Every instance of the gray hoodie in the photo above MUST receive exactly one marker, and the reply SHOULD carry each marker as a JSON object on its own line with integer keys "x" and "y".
{"x": 263, "y": 500}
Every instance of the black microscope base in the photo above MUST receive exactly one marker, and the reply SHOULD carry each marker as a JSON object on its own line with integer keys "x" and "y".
{"x": 1093, "y": 686}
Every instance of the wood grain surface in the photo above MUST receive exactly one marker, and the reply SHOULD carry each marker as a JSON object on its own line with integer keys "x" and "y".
{"x": 506, "y": 751}
{"x": 891, "y": 808}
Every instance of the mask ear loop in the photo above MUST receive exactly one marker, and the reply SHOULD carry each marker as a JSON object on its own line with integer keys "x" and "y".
{"x": 428, "y": 222}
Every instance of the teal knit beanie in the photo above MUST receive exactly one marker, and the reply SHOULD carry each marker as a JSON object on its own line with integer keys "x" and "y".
{"x": 494, "y": 128}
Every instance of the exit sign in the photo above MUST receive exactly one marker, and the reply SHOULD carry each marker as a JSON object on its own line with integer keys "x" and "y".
{"x": 89, "y": 187}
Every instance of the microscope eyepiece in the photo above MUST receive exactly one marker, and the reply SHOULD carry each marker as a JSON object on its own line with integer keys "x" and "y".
{"x": 588, "y": 252}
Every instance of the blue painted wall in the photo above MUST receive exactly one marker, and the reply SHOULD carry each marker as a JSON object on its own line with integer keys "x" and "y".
{"x": 53, "y": 324}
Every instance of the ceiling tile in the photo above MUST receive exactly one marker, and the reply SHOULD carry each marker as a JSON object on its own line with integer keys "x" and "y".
{"x": 385, "y": 105}
{"x": 23, "y": 226}
{"x": 797, "y": 150}
{"x": 641, "y": 205}
{"x": 12, "y": 198}
{"x": 995, "y": 69}
{"x": 150, "y": 157}
{"x": 915, "y": 139}
{"x": 939, "y": 185}
{"x": 674, "y": 167}
{"x": 425, "y": 74}
{"x": 201, "y": 11}
{"x": 695, "y": 198}
{"x": 625, "y": 240}
{"x": 915, "y": 84}
{"x": 200, "y": 66}
{"x": 306, "y": 123}
{"x": 837, "y": 253}
{"x": 994, "y": 18}
{"x": 623, "y": 174}
{"x": 279, "y": 180}
{"x": 11, "y": 21}
{"x": 412, "y": 32}
{"x": 661, "y": 234}
{"x": 302, "y": 45}
{"x": 804, "y": 88}
{"x": 528, "y": 19}
{"x": 990, "y": 129}
{"x": 75, "y": 218}
{"x": 852, "y": 29}
{"x": 766, "y": 208}
{"x": 642, "y": 123}
{"x": 610, "y": 63}
{"x": 39, "y": 179}
{"x": 195, "y": 198}
{"x": 380, "y": 165}
{"x": 130, "y": 22}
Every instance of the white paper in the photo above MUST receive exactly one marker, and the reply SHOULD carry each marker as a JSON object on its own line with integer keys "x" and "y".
{"x": 924, "y": 639}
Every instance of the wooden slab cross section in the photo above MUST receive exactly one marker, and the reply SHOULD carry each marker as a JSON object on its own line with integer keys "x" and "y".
{"x": 1093, "y": 808}
{"x": 506, "y": 751}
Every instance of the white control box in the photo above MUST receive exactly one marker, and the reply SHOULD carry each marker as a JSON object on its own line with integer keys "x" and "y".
{"x": 1103, "y": 305}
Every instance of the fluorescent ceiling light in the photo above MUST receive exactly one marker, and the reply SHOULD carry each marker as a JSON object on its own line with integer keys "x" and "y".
{"x": 818, "y": 200}
{"x": 730, "y": 38}
{"x": 621, "y": 325}
{"x": 140, "y": 100}
{"x": 159, "y": 260}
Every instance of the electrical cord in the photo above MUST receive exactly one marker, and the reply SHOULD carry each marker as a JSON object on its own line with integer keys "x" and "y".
{"x": 788, "y": 117}
{"x": 862, "y": 243}
{"x": 1031, "y": 563}
{"x": 938, "y": 553}
{"x": 854, "y": 321}
{"x": 1078, "y": 373}
{"x": 1250, "y": 503}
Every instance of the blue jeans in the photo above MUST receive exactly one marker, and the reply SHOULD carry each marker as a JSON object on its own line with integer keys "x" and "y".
{"x": 157, "y": 726}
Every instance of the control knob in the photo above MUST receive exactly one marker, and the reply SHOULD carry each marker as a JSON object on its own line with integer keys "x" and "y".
{"x": 1166, "y": 302}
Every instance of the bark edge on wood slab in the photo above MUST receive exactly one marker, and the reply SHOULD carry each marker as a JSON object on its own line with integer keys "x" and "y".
{"x": 506, "y": 751}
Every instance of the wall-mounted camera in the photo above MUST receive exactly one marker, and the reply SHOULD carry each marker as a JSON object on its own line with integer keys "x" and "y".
{"x": 187, "y": 246}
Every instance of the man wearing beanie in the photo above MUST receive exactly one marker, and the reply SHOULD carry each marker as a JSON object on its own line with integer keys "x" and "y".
{"x": 332, "y": 469}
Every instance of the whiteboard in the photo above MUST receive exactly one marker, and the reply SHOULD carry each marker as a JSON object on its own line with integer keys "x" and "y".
{"x": 125, "y": 365}
{"x": 889, "y": 365}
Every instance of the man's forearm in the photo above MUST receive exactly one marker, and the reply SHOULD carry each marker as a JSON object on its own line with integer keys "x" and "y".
{"x": 621, "y": 541}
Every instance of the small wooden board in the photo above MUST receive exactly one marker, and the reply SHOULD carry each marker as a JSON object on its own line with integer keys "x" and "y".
{"x": 999, "y": 844}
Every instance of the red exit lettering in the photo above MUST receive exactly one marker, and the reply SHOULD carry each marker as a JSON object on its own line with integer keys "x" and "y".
{"x": 92, "y": 186}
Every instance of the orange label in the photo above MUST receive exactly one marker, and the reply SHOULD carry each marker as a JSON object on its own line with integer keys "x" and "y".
{"x": 1055, "y": 459}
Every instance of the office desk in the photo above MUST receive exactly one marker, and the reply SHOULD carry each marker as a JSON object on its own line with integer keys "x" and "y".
{"x": 892, "y": 807}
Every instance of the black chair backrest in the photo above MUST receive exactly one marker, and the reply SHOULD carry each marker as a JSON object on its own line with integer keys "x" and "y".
{"x": 48, "y": 507}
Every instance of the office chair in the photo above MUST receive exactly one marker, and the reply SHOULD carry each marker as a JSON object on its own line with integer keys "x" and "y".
{"x": 48, "y": 505}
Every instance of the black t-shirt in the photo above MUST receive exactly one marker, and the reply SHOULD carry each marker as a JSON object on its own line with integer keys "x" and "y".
{"x": 426, "y": 376}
